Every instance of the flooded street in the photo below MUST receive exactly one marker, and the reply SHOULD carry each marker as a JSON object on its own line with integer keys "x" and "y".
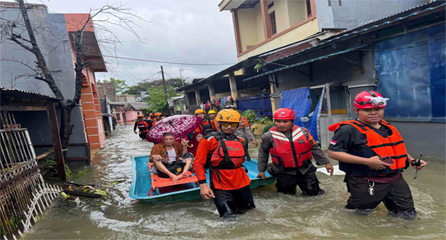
{"x": 276, "y": 216}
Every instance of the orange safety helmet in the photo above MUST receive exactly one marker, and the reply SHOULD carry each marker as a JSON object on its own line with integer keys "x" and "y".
{"x": 228, "y": 115}
{"x": 369, "y": 99}
{"x": 284, "y": 114}
{"x": 158, "y": 114}
{"x": 199, "y": 111}
{"x": 140, "y": 116}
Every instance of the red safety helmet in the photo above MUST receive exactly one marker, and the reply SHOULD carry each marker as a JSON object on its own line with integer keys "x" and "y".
{"x": 369, "y": 99}
{"x": 284, "y": 114}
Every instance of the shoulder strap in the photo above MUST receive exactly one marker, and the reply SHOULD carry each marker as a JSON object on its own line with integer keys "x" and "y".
{"x": 222, "y": 143}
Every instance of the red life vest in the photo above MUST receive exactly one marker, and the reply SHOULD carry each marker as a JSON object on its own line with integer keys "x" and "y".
{"x": 143, "y": 126}
{"x": 290, "y": 154}
{"x": 392, "y": 146}
{"x": 234, "y": 157}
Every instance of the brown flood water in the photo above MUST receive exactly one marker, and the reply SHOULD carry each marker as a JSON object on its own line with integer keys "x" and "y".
{"x": 276, "y": 216}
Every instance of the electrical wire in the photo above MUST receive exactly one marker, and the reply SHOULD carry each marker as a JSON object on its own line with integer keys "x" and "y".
{"x": 168, "y": 62}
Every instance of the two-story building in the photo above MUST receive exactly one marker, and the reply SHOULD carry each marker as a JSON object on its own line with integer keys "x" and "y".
{"x": 314, "y": 55}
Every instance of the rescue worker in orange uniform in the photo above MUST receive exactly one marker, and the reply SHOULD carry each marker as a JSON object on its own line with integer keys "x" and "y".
{"x": 143, "y": 127}
{"x": 244, "y": 130}
{"x": 212, "y": 114}
{"x": 207, "y": 126}
{"x": 373, "y": 156}
{"x": 157, "y": 118}
{"x": 292, "y": 148}
{"x": 225, "y": 153}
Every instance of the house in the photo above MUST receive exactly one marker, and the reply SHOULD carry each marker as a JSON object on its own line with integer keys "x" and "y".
{"x": 266, "y": 30}
{"x": 126, "y": 112}
{"x": 91, "y": 107}
{"x": 402, "y": 56}
{"x": 56, "y": 46}
{"x": 335, "y": 49}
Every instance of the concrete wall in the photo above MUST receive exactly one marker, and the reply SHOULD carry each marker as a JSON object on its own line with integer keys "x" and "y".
{"x": 282, "y": 15}
{"x": 248, "y": 28}
{"x": 354, "y": 13}
{"x": 297, "y": 11}
{"x": 423, "y": 138}
{"x": 292, "y": 36}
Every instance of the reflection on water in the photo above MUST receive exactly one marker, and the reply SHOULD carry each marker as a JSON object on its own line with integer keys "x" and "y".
{"x": 276, "y": 216}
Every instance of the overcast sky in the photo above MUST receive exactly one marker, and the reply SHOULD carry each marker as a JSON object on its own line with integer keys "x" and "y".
{"x": 191, "y": 31}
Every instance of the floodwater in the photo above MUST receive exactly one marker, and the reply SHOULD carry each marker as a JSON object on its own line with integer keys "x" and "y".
{"x": 276, "y": 216}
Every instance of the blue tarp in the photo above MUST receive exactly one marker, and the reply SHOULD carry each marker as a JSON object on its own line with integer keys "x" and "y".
{"x": 300, "y": 101}
{"x": 259, "y": 103}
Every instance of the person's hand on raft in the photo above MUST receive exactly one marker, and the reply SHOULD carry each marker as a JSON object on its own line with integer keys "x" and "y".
{"x": 206, "y": 192}
{"x": 329, "y": 168}
{"x": 261, "y": 175}
{"x": 173, "y": 177}
{"x": 184, "y": 174}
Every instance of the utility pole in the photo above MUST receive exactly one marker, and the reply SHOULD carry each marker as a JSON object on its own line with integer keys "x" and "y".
{"x": 164, "y": 83}
{"x": 181, "y": 75}
{"x": 165, "y": 91}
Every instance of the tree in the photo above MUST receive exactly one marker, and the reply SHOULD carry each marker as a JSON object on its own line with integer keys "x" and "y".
{"x": 12, "y": 30}
{"x": 120, "y": 85}
{"x": 157, "y": 98}
{"x": 144, "y": 86}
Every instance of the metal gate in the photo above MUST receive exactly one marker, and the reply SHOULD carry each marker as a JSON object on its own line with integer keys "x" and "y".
{"x": 23, "y": 192}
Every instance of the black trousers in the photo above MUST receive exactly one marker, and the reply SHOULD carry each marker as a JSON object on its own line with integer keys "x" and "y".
{"x": 143, "y": 135}
{"x": 308, "y": 183}
{"x": 396, "y": 196}
{"x": 230, "y": 202}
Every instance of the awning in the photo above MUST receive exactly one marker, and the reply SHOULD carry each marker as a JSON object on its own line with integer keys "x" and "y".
{"x": 307, "y": 62}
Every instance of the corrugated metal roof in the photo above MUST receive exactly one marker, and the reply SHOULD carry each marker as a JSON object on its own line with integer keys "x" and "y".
{"x": 372, "y": 25}
{"x": 307, "y": 62}
{"x": 25, "y": 94}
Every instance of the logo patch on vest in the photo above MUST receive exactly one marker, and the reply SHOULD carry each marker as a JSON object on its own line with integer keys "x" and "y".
{"x": 300, "y": 141}
{"x": 232, "y": 148}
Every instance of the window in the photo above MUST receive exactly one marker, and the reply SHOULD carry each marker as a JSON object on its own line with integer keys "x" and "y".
{"x": 272, "y": 20}
{"x": 308, "y": 3}
{"x": 118, "y": 116}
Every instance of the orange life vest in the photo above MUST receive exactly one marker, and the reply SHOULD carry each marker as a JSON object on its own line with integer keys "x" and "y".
{"x": 143, "y": 126}
{"x": 292, "y": 153}
{"x": 231, "y": 157}
{"x": 392, "y": 146}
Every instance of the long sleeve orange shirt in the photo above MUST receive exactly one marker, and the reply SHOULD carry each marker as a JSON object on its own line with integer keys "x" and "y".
{"x": 230, "y": 179}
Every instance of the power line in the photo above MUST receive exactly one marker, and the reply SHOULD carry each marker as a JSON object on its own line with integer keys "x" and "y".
{"x": 167, "y": 62}
{"x": 145, "y": 79}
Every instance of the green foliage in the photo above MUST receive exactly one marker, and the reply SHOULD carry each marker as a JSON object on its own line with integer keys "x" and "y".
{"x": 157, "y": 98}
{"x": 145, "y": 86}
{"x": 259, "y": 65}
{"x": 252, "y": 117}
{"x": 265, "y": 120}
{"x": 120, "y": 85}
{"x": 68, "y": 172}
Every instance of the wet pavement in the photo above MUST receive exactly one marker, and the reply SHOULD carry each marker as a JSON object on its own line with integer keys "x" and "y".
{"x": 277, "y": 216}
